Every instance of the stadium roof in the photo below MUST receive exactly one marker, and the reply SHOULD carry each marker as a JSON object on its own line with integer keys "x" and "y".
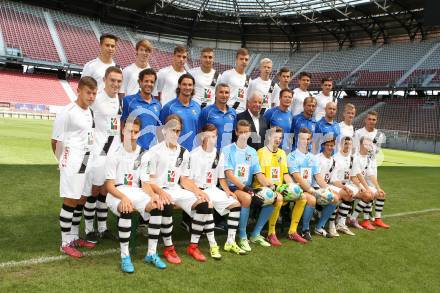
{"x": 292, "y": 21}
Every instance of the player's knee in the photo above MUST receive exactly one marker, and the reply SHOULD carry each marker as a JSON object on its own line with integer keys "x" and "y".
{"x": 154, "y": 210}
{"x": 125, "y": 216}
{"x": 202, "y": 208}
{"x": 234, "y": 206}
{"x": 311, "y": 200}
{"x": 244, "y": 198}
{"x": 167, "y": 210}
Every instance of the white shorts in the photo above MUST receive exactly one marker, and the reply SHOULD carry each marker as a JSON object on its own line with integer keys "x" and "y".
{"x": 353, "y": 189}
{"x": 72, "y": 182}
{"x": 373, "y": 190}
{"x": 137, "y": 196}
{"x": 334, "y": 188}
{"x": 96, "y": 175}
{"x": 220, "y": 200}
{"x": 182, "y": 198}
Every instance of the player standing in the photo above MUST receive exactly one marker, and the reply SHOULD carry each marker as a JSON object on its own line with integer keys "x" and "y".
{"x": 263, "y": 84}
{"x": 304, "y": 120}
{"x": 284, "y": 78}
{"x": 327, "y": 126}
{"x": 301, "y": 92}
{"x": 237, "y": 80}
{"x": 130, "y": 84}
{"x": 167, "y": 77}
{"x": 205, "y": 78}
{"x": 324, "y": 97}
{"x": 72, "y": 142}
{"x": 96, "y": 67}
{"x": 346, "y": 125}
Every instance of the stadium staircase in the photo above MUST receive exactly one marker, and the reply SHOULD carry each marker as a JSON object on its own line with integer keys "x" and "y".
{"x": 55, "y": 38}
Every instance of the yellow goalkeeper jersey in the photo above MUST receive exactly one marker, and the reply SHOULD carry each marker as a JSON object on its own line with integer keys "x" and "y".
{"x": 273, "y": 165}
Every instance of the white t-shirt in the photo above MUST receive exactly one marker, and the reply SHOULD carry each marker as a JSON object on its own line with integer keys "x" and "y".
{"x": 73, "y": 126}
{"x": 320, "y": 107}
{"x": 346, "y": 130}
{"x": 166, "y": 84}
{"x": 205, "y": 93}
{"x": 96, "y": 69}
{"x": 298, "y": 100}
{"x": 366, "y": 166}
{"x": 166, "y": 167}
{"x": 237, "y": 87}
{"x": 326, "y": 166}
{"x": 363, "y": 132}
{"x": 201, "y": 167}
{"x": 125, "y": 167}
{"x": 107, "y": 121}
{"x": 344, "y": 169}
{"x": 262, "y": 86}
{"x": 130, "y": 84}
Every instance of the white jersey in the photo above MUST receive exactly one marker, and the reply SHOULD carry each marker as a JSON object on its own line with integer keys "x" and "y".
{"x": 344, "y": 168}
{"x": 346, "y": 130}
{"x": 366, "y": 166}
{"x": 130, "y": 84}
{"x": 322, "y": 101}
{"x": 238, "y": 88}
{"x": 125, "y": 167}
{"x": 167, "y": 166}
{"x": 96, "y": 69}
{"x": 276, "y": 95}
{"x": 262, "y": 86}
{"x": 205, "y": 88}
{"x": 326, "y": 166}
{"x": 377, "y": 137}
{"x": 166, "y": 84}
{"x": 73, "y": 126}
{"x": 107, "y": 122}
{"x": 298, "y": 100}
{"x": 202, "y": 171}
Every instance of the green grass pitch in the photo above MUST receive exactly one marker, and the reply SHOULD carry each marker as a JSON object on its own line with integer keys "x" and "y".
{"x": 405, "y": 258}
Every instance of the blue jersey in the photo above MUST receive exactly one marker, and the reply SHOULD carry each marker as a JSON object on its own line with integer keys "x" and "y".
{"x": 224, "y": 122}
{"x": 277, "y": 117}
{"x": 326, "y": 129}
{"x": 148, "y": 113}
{"x": 244, "y": 163}
{"x": 300, "y": 121}
{"x": 305, "y": 164}
{"x": 190, "y": 118}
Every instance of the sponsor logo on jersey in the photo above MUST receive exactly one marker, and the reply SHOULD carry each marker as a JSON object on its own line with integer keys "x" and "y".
{"x": 209, "y": 177}
{"x": 114, "y": 123}
{"x": 208, "y": 94}
{"x": 171, "y": 176}
{"x": 128, "y": 179}
{"x": 248, "y": 157}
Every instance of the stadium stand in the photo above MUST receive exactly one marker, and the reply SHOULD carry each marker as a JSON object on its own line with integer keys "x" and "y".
{"x": 44, "y": 89}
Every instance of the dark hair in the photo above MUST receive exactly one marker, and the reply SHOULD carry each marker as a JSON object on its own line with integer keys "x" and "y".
{"x": 243, "y": 123}
{"x": 208, "y": 127}
{"x": 286, "y": 90}
{"x": 174, "y": 117}
{"x": 181, "y": 78}
{"x": 112, "y": 69}
{"x": 242, "y": 51}
{"x": 305, "y": 130}
{"x": 283, "y": 70}
{"x": 308, "y": 99}
{"x": 87, "y": 81}
{"x": 180, "y": 49}
{"x": 304, "y": 73}
{"x": 326, "y": 79}
{"x": 147, "y": 71}
{"x": 207, "y": 50}
{"x": 107, "y": 36}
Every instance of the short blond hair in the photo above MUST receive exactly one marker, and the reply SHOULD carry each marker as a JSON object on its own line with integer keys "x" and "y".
{"x": 265, "y": 60}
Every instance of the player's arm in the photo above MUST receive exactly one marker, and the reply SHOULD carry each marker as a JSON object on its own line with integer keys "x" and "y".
{"x": 224, "y": 185}
{"x": 125, "y": 206}
{"x": 263, "y": 180}
{"x": 302, "y": 183}
{"x": 320, "y": 180}
{"x": 190, "y": 185}
{"x": 287, "y": 178}
{"x": 375, "y": 182}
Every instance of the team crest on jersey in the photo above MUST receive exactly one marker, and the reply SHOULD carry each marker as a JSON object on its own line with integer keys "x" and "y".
{"x": 209, "y": 177}
{"x": 128, "y": 179}
{"x": 327, "y": 177}
{"x": 240, "y": 94}
{"x": 171, "y": 176}
{"x": 346, "y": 175}
{"x": 231, "y": 117}
{"x": 208, "y": 94}
{"x": 114, "y": 123}
{"x": 265, "y": 99}
{"x": 155, "y": 108}
{"x": 248, "y": 157}
{"x": 194, "y": 111}
{"x": 279, "y": 160}
{"x": 241, "y": 171}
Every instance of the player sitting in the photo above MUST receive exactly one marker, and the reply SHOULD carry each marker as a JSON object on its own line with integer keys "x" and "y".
{"x": 170, "y": 169}
{"x": 125, "y": 170}
{"x": 241, "y": 164}
{"x": 207, "y": 169}
{"x": 366, "y": 167}
{"x": 273, "y": 164}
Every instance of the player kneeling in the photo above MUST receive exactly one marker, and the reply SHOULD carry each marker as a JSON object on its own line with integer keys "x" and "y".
{"x": 344, "y": 176}
{"x": 125, "y": 170}
{"x": 273, "y": 163}
{"x": 207, "y": 169}
{"x": 365, "y": 167}
{"x": 241, "y": 164}
{"x": 170, "y": 170}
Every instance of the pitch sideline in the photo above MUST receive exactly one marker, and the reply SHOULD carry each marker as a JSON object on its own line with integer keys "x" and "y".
{"x": 47, "y": 259}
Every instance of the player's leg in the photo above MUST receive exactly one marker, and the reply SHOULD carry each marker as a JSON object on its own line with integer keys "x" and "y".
{"x": 360, "y": 206}
{"x": 378, "y": 208}
{"x": 66, "y": 217}
{"x": 271, "y": 234}
{"x": 368, "y": 211}
{"x": 263, "y": 217}
{"x": 166, "y": 230}
{"x": 307, "y": 217}
{"x": 297, "y": 213}
{"x": 245, "y": 200}
{"x": 198, "y": 221}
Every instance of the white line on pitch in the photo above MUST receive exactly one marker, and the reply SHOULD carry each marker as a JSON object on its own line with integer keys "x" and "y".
{"x": 47, "y": 259}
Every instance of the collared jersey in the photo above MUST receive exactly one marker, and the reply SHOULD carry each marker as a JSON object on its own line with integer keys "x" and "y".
{"x": 202, "y": 171}
{"x": 148, "y": 113}
{"x": 237, "y": 86}
{"x": 96, "y": 69}
{"x": 300, "y": 121}
{"x": 273, "y": 165}
{"x": 166, "y": 84}
{"x": 107, "y": 121}
{"x": 73, "y": 126}
{"x": 166, "y": 167}
{"x": 204, "y": 90}
{"x": 224, "y": 122}
{"x": 263, "y": 86}
{"x": 298, "y": 101}
{"x": 344, "y": 168}
{"x": 244, "y": 163}
{"x": 365, "y": 165}
{"x": 125, "y": 167}
{"x": 305, "y": 164}
{"x": 327, "y": 167}
{"x": 190, "y": 117}
{"x": 130, "y": 84}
